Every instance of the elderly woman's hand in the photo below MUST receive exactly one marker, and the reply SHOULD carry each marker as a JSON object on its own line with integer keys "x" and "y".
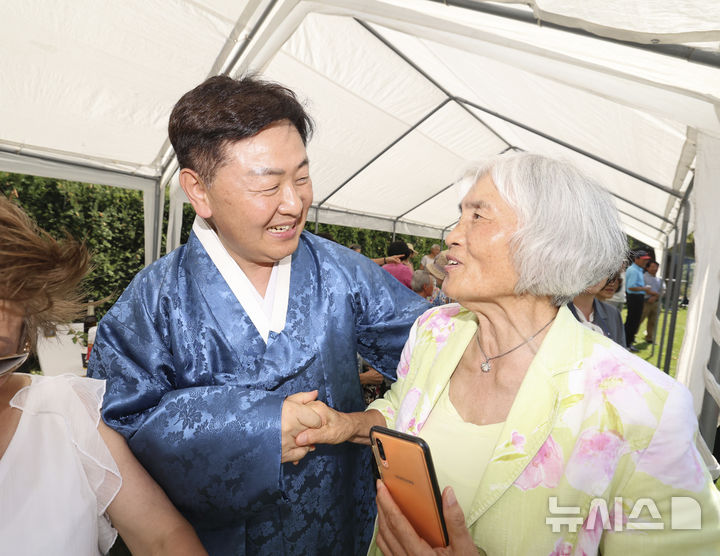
{"x": 338, "y": 427}
{"x": 396, "y": 537}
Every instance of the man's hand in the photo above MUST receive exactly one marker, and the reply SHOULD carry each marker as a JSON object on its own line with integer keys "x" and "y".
{"x": 371, "y": 377}
{"x": 336, "y": 427}
{"x": 297, "y": 417}
{"x": 396, "y": 537}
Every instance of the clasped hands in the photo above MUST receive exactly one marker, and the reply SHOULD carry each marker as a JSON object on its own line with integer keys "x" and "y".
{"x": 305, "y": 421}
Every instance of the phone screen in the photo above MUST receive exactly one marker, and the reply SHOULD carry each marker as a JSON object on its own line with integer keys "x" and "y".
{"x": 406, "y": 468}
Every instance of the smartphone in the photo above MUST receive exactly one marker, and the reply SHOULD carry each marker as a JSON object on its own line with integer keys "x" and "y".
{"x": 406, "y": 468}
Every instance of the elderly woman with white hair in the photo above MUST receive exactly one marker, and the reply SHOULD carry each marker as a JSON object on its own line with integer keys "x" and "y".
{"x": 550, "y": 438}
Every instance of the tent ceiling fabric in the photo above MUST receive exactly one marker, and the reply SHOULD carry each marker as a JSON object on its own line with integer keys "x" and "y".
{"x": 364, "y": 116}
{"x": 91, "y": 86}
{"x": 98, "y": 80}
{"x": 640, "y": 21}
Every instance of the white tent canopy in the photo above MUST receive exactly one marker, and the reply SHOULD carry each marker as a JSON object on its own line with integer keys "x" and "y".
{"x": 405, "y": 93}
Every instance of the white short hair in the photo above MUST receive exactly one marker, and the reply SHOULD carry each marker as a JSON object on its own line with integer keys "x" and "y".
{"x": 420, "y": 279}
{"x": 569, "y": 235}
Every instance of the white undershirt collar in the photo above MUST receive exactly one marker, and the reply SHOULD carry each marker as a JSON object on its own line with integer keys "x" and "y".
{"x": 268, "y": 313}
{"x": 590, "y": 323}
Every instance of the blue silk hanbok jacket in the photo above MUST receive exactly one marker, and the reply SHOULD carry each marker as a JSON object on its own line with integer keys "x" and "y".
{"x": 198, "y": 394}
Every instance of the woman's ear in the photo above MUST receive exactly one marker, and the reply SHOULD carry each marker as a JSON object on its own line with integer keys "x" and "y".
{"x": 196, "y": 192}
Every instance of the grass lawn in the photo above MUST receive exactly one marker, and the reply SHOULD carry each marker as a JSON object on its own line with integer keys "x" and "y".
{"x": 650, "y": 352}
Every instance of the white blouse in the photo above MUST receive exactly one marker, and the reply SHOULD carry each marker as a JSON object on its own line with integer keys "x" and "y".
{"x": 57, "y": 476}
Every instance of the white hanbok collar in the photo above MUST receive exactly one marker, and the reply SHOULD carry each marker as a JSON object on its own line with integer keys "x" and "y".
{"x": 268, "y": 313}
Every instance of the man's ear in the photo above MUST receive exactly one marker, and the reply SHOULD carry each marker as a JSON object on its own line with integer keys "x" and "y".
{"x": 196, "y": 192}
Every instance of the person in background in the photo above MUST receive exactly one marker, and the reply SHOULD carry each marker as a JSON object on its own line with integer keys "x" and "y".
{"x": 430, "y": 257}
{"x": 616, "y": 296}
{"x": 437, "y": 271}
{"x": 413, "y": 254}
{"x": 651, "y": 307}
{"x": 612, "y": 286}
{"x": 378, "y": 260}
{"x": 530, "y": 415}
{"x": 399, "y": 270}
{"x": 68, "y": 481}
{"x": 210, "y": 350}
{"x": 635, "y": 290}
{"x": 374, "y": 384}
{"x": 422, "y": 283}
{"x": 597, "y": 315}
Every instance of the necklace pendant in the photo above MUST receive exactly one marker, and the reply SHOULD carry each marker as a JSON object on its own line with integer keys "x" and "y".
{"x": 485, "y": 367}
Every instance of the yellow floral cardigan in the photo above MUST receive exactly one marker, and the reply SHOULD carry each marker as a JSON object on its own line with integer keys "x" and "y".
{"x": 597, "y": 454}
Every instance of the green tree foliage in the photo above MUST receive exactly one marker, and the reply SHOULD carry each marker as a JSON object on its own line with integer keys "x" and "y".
{"x": 110, "y": 222}
{"x": 374, "y": 244}
{"x": 108, "y": 219}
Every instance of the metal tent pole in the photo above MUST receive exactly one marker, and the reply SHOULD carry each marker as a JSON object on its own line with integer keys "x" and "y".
{"x": 708, "y": 420}
{"x": 687, "y": 53}
{"x": 601, "y": 160}
{"x": 687, "y": 281}
{"x": 665, "y": 303}
{"x": 677, "y": 275}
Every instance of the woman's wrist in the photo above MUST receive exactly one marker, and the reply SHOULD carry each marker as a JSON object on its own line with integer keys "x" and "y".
{"x": 362, "y": 422}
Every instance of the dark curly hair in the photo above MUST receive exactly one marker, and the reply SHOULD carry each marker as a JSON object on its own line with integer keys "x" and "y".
{"x": 38, "y": 272}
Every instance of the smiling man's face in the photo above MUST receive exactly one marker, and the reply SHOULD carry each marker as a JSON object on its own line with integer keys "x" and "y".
{"x": 260, "y": 196}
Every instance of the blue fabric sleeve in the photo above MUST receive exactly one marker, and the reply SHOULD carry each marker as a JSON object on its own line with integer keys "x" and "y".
{"x": 385, "y": 311}
{"x": 214, "y": 466}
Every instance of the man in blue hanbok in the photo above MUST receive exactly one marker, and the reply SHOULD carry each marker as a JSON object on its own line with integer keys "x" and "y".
{"x": 213, "y": 351}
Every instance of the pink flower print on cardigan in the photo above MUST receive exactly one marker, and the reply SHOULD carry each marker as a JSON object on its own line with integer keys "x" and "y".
{"x": 512, "y": 449}
{"x": 409, "y": 419}
{"x": 562, "y": 548}
{"x": 404, "y": 366}
{"x": 439, "y": 322}
{"x": 545, "y": 469}
{"x": 517, "y": 440}
{"x": 609, "y": 380}
{"x": 597, "y": 522}
{"x": 671, "y": 456}
{"x": 593, "y": 461}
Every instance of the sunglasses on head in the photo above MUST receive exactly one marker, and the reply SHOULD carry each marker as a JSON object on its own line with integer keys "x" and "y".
{"x": 9, "y": 363}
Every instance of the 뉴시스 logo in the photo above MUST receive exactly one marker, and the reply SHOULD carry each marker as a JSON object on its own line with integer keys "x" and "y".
{"x": 685, "y": 514}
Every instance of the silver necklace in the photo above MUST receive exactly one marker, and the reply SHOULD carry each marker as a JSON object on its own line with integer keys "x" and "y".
{"x": 485, "y": 366}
